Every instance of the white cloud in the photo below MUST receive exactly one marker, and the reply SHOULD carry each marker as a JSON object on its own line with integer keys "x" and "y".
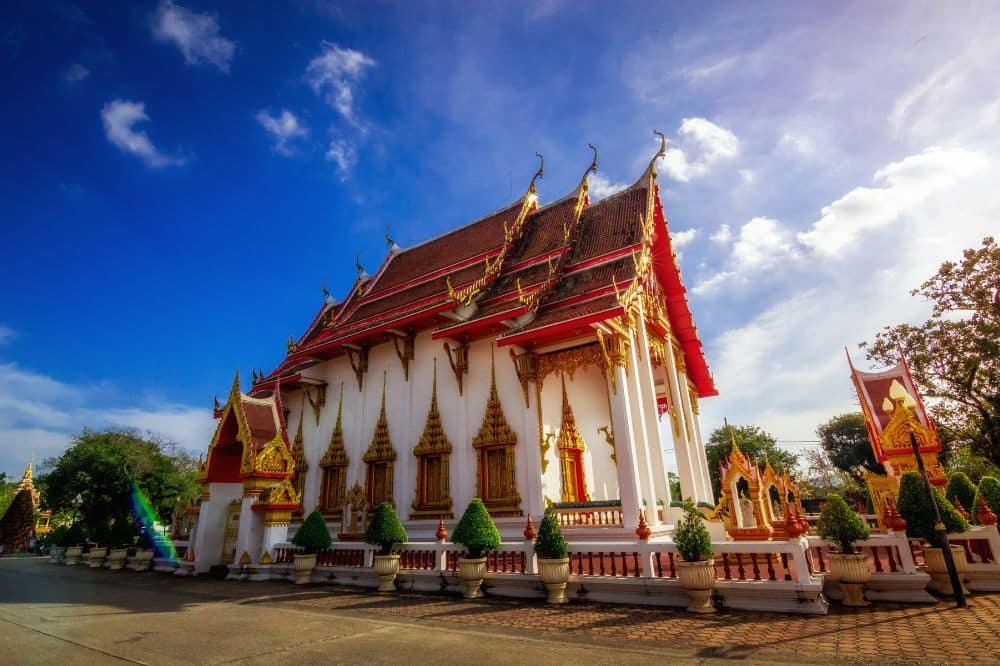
{"x": 599, "y": 187}
{"x": 680, "y": 239}
{"x": 76, "y": 73}
{"x": 706, "y": 143}
{"x": 196, "y": 35}
{"x": 120, "y": 118}
{"x": 722, "y": 236}
{"x": 903, "y": 187}
{"x": 699, "y": 73}
{"x": 334, "y": 74}
{"x": 283, "y": 128}
{"x": 762, "y": 246}
{"x": 39, "y": 415}
{"x": 343, "y": 154}
{"x": 796, "y": 144}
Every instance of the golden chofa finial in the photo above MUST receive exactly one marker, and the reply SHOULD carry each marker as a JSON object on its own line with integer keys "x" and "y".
{"x": 357, "y": 264}
{"x": 659, "y": 153}
{"x": 538, "y": 174}
{"x": 593, "y": 165}
{"x": 388, "y": 239}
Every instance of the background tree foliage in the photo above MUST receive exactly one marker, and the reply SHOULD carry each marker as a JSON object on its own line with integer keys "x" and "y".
{"x": 955, "y": 355}
{"x": 755, "y": 443}
{"x": 844, "y": 439}
{"x": 100, "y": 467}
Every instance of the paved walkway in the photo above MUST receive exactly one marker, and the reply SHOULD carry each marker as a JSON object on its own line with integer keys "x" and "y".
{"x": 74, "y": 615}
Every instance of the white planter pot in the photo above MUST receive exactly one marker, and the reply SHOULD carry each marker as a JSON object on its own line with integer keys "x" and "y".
{"x": 57, "y": 554}
{"x": 554, "y": 574}
{"x": 303, "y": 566}
{"x": 386, "y": 568}
{"x": 96, "y": 557}
{"x": 73, "y": 554}
{"x": 472, "y": 571}
{"x": 144, "y": 559}
{"x": 940, "y": 580}
{"x": 851, "y": 572}
{"x": 116, "y": 559}
{"x": 698, "y": 579}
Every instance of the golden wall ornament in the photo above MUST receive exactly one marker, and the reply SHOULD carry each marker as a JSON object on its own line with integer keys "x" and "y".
{"x": 614, "y": 348}
{"x": 334, "y": 465}
{"x": 545, "y": 447}
{"x": 265, "y": 558}
{"x": 358, "y": 359}
{"x": 317, "y": 403}
{"x": 380, "y": 458}
{"x": 569, "y": 361}
{"x": 433, "y": 454}
{"x": 467, "y": 294}
{"x": 571, "y": 446}
{"x": 495, "y": 473}
{"x": 458, "y": 359}
{"x": 609, "y": 437}
{"x": 405, "y": 354}
{"x": 525, "y": 367}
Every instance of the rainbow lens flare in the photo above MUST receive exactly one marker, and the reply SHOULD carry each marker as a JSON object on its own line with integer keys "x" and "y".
{"x": 146, "y": 515}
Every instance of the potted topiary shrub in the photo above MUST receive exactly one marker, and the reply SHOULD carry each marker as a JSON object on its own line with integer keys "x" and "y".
{"x": 843, "y": 527}
{"x": 144, "y": 552}
{"x": 74, "y": 539}
{"x": 122, "y": 537}
{"x": 915, "y": 507}
{"x": 312, "y": 537}
{"x": 57, "y": 544}
{"x": 696, "y": 570}
{"x": 97, "y": 553}
{"x": 385, "y": 531}
{"x": 989, "y": 490}
{"x": 478, "y": 533}
{"x": 553, "y": 557}
{"x": 961, "y": 488}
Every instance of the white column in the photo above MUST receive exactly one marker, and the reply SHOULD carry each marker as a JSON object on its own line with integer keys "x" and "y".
{"x": 654, "y": 443}
{"x": 698, "y": 446}
{"x": 638, "y": 404}
{"x": 625, "y": 447}
{"x": 699, "y": 462}
{"x": 533, "y": 503}
{"x": 687, "y": 466}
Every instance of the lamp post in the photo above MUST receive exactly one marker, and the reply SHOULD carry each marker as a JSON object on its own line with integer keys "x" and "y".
{"x": 939, "y": 529}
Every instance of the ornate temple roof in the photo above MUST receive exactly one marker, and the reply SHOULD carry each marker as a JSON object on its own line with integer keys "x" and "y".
{"x": 525, "y": 274}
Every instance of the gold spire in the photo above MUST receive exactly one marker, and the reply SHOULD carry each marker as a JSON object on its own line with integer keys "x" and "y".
{"x": 494, "y": 430}
{"x": 298, "y": 450}
{"x": 433, "y": 440}
{"x": 569, "y": 434}
{"x": 380, "y": 450}
{"x": 336, "y": 452}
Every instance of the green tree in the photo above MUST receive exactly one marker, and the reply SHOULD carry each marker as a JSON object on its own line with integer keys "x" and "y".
{"x": 755, "y": 443}
{"x": 7, "y": 492}
{"x": 101, "y": 468}
{"x": 955, "y": 355}
{"x": 844, "y": 438}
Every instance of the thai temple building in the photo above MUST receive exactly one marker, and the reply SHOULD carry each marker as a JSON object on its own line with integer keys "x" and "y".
{"x": 527, "y": 358}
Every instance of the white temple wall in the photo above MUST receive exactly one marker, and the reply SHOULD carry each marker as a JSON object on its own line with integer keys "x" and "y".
{"x": 407, "y": 404}
{"x": 211, "y": 527}
{"x": 587, "y": 392}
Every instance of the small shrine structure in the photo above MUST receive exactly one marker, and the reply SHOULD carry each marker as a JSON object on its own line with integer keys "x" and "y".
{"x": 893, "y": 410}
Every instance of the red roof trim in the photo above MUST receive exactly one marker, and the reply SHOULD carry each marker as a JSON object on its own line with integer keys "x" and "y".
{"x": 558, "y": 327}
{"x": 370, "y": 297}
{"x": 605, "y": 258}
{"x": 477, "y": 324}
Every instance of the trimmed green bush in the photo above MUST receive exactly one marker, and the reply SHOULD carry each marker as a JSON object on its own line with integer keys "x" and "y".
{"x": 122, "y": 534}
{"x": 313, "y": 536}
{"x": 839, "y": 524}
{"x": 550, "y": 544}
{"x": 75, "y": 535}
{"x": 385, "y": 530}
{"x": 915, "y": 508}
{"x": 692, "y": 539}
{"x": 57, "y": 537}
{"x": 960, "y": 486}
{"x": 989, "y": 490}
{"x": 476, "y": 530}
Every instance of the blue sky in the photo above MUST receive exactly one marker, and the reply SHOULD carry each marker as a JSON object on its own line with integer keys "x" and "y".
{"x": 178, "y": 178}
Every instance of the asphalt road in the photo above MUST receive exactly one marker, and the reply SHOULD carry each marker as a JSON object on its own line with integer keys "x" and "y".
{"x": 74, "y": 615}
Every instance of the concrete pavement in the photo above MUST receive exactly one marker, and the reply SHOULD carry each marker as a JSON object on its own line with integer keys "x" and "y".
{"x": 74, "y": 615}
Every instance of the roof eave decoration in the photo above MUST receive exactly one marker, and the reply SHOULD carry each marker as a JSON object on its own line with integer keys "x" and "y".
{"x": 492, "y": 269}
